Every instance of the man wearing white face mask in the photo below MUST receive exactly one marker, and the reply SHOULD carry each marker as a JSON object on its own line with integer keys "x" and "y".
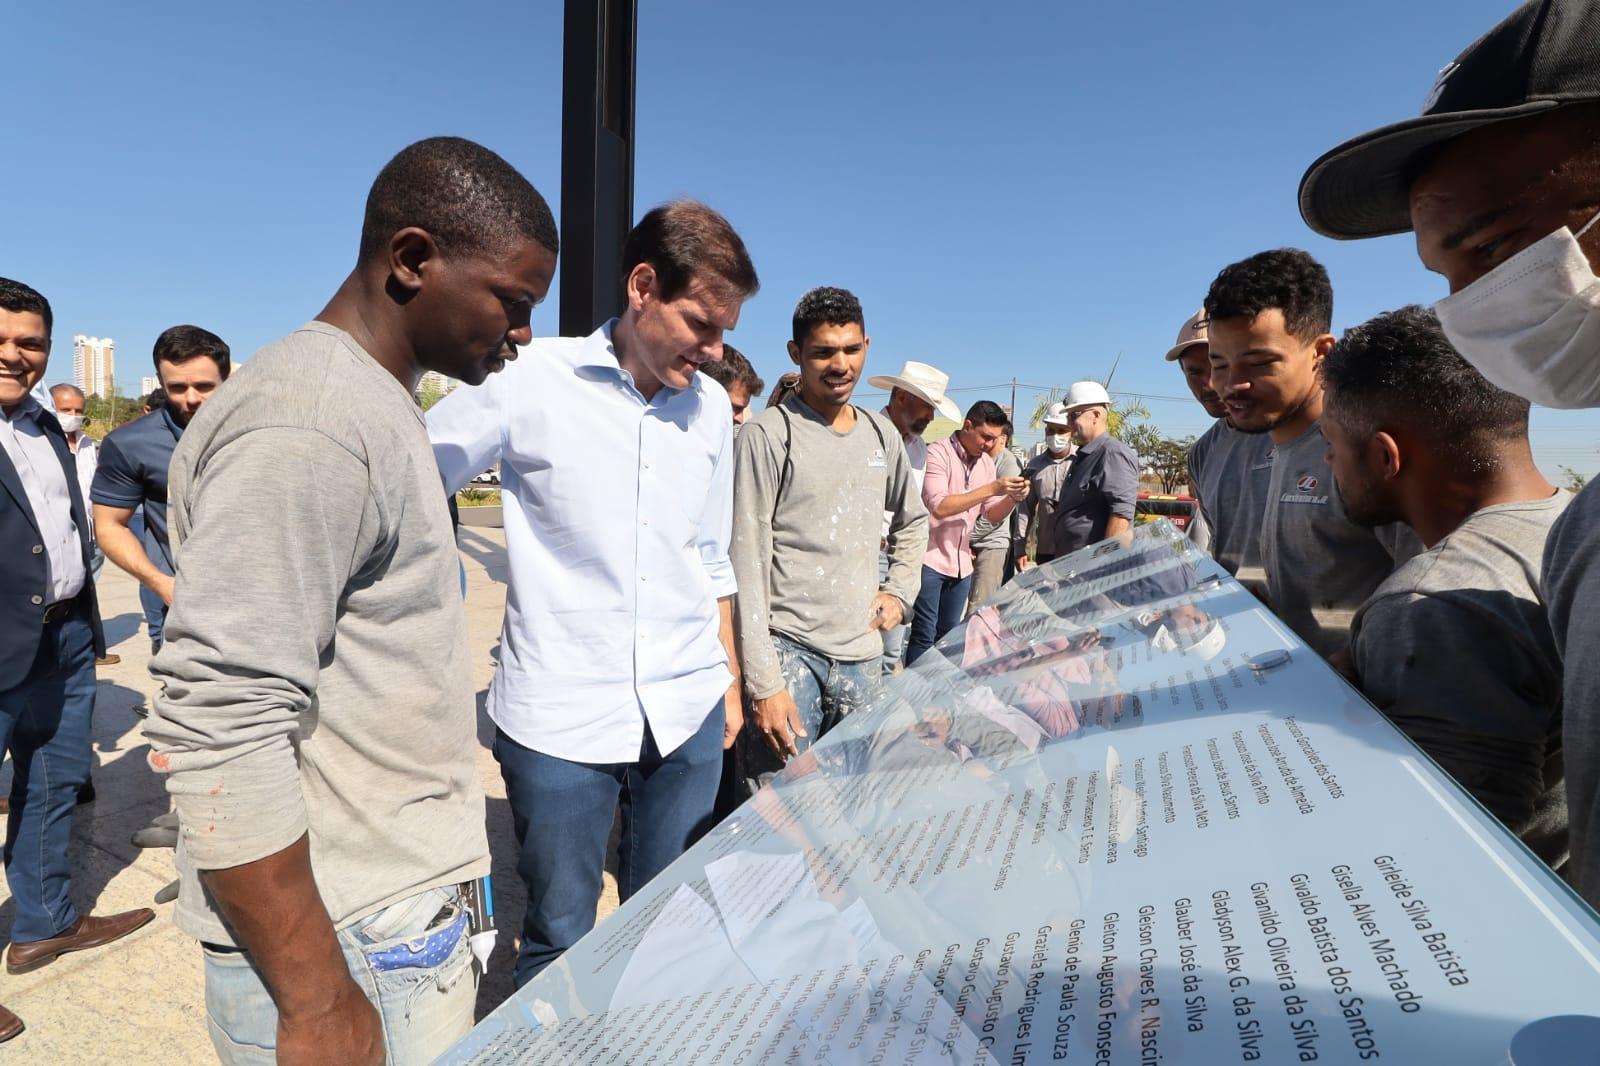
{"x": 68, "y": 401}
{"x": 1046, "y": 473}
{"x": 1500, "y": 179}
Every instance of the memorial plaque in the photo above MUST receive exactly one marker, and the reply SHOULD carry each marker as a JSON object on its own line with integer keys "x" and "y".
{"x": 1121, "y": 815}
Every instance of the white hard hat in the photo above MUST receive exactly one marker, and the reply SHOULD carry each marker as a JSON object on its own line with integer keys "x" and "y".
{"x": 1086, "y": 394}
{"x": 1057, "y": 415}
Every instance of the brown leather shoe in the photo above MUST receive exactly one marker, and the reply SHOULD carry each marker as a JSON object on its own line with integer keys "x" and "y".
{"x": 10, "y": 1025}
{"x": 108, "y": 660}
{"x": 89, "y": 932}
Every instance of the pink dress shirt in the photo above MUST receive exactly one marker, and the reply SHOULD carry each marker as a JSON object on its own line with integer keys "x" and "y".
{"x": 951, "y": 473}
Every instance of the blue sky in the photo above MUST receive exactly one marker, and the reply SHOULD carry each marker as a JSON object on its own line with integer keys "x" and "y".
{"x": 1013, "y": 189}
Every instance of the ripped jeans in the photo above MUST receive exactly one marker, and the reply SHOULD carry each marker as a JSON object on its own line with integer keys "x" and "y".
{"x": 417, "y": 971}
{"x": 824, "y": 690}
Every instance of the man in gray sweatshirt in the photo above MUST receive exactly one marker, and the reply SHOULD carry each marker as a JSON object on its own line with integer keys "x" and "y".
{"x": 813, "y": 478}
{"x": 316, "y": 721}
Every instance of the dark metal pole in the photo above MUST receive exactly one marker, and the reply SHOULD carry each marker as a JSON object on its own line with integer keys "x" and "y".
{"x": 597, "y": 94}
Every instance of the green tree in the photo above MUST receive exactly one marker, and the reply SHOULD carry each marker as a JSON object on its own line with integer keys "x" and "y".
{"x": 1164, "y": 456}
{"x": 429, "y": 394}
{"x": 105, "y": 413}
{"x": 1575, "y": 480}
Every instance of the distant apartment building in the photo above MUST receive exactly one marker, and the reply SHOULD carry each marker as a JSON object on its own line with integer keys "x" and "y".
{"x": 93, "y": 365}
{"x": 148, "y": 385}
{"x": 435, "y": 382}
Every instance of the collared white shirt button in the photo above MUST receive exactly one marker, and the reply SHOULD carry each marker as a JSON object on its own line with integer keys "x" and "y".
{"x": 38, "y": 549}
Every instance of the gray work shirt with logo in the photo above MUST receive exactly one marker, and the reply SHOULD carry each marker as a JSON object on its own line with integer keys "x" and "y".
{"x": 1572, "y": 579}
{"x": 1104, "y": 481}
{"x": 1231, "y": 472}
{"x": 1320, "y": 566}
{"x": 1456, "y": 649}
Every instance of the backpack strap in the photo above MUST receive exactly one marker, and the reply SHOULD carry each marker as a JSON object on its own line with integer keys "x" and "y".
{"x": 787, "y": 464}
{"x": 786, "y": 467}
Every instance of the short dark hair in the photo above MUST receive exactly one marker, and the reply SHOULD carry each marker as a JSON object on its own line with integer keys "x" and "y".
{"x": 157, "y": 399}
{"x": 1400, "y": 370}
{"x": 685, "y": 240}
{"x": 17, "y": 298}
{"x": 826, "y": 306}
{"x": 1009, "y": 430}
{"x": 987, "y": 413}
{"x": 732, "y": 367}
{"x": 1285, "y": 278}
{"x": 183, "y": 343}
{"x": 467, "y": 198}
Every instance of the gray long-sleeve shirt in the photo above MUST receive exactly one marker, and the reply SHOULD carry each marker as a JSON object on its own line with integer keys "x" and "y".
{"x": 315, "y": 672}
{"x": 1455, "y": 648}
{"x": 809, "y": 568}
{"x": 1046, "y": 474}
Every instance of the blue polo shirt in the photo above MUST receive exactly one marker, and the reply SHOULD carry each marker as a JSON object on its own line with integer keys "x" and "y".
{"x": 1103, "y": 482}
{"x": 133, "y": 471}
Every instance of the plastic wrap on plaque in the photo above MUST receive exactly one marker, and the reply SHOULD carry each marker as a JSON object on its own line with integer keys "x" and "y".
{"x": 1120, "y": 815}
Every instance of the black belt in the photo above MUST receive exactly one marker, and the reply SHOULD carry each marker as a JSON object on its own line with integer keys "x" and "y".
{"x": 58, "y": 610}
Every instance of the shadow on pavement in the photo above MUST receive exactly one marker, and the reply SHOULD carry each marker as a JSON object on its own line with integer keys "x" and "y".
{"x": 485, "y": 552}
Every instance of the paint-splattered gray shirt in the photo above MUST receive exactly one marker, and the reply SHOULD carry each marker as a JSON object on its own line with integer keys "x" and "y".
{"x": 808, "y": 506}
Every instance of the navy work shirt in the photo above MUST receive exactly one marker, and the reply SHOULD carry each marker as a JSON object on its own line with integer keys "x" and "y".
{"x": 1104, "y": 481}
{"x": 133, "y": 471}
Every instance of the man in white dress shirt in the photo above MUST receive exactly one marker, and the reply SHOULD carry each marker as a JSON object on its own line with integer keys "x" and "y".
{"x": 617, "y": 674}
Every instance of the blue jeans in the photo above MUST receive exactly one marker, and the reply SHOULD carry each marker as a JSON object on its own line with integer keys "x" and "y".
{"x": 894, "y": 640}
{"x": 562, "y": 813}
{"x": 938, "y": 610}
{"x": 824, "y": 691}
{"x": 155, "y": 611}
{"x": 424, "y": 998}
{"x": 44, "y": 723}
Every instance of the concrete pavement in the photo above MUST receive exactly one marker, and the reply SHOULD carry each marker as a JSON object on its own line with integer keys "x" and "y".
{"x": 141, "y": 1000}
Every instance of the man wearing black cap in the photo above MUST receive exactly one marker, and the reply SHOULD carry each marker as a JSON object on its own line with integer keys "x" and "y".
{"x": 1500, "y": 179}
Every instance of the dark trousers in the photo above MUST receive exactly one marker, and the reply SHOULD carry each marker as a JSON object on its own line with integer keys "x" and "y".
{"x": 938, "y": 610}
{"x": 44, "y": 724}
{"x": 563, "y": 811}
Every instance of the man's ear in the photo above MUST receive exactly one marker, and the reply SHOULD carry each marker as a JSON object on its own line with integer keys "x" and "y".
{"x": 412, "y": 253}
{"x": 1385, "y": 451}
{"x": 641, "y": 286}
{"x": 794, "y": 353}
{"x": 1320, "y": 349}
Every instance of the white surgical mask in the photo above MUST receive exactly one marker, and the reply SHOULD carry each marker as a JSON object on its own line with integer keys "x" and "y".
{"x": 1532, "y": 324}
{"x": 1058, "y": 443}
{"x": 70, "y": 423}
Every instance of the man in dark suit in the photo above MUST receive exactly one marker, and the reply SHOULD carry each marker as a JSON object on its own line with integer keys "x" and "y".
{"x": 49, "y": 638}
